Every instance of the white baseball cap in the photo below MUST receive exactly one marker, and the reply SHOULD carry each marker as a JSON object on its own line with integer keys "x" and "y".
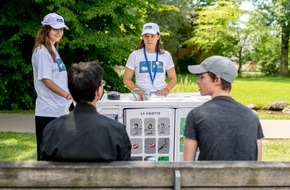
{"x": 218, "y": 65}
{"x": 150, "y": 28}
{"x": 54, "y": 20}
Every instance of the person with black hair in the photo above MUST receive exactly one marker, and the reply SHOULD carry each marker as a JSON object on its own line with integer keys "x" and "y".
{"x": 84, "y": 134}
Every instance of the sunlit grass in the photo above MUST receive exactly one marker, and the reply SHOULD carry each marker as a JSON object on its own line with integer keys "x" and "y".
{"x": 185, "y": 83}
{"x": 17, "y": 146}
{"x": 22, "y": 147}
{"x": 276, "y": 150}
{"x": 260, "y": 91}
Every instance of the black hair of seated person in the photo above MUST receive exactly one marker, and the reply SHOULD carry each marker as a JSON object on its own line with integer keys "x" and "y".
{"x": 84, "y": 78}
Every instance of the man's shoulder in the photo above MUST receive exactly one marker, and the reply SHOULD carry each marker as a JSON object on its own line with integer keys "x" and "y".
{"x": 197, "y": 109}
{"x": 203, "y": 108}
{"x": 108, "y": 120}
{"x": 58, "y": 120}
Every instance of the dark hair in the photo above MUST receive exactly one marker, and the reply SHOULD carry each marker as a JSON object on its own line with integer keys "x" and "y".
{"x": 84, "y": 79}
{"x": 225, "y": 84}
{"x": 43, "y": 39}
{"x": 159, "y": 47}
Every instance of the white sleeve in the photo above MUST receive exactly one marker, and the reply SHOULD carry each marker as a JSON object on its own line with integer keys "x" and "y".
{"x": 170, "y": 63}
{"x": 131, "y": 61}
{"x": 45, "y": 65}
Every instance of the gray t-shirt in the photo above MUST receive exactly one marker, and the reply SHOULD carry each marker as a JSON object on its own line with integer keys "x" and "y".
{"x": 224, "y": 129}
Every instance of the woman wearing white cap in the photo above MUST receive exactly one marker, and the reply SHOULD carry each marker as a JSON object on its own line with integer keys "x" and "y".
{"x": 49, "y": 73}
{"x": 150, "y": 63}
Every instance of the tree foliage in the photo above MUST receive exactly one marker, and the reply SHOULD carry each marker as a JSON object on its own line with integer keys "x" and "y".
{"x": 105, "y": 30}
{"x": 175, "y": 25}
{"x": 218, "y": 31}
{"x": 109, "y": 30}
{"x": 265, "y": 40}
{"x": 277, "y": 13}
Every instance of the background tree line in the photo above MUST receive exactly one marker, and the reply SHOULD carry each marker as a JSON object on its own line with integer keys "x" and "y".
{"x": 109, "y": 30}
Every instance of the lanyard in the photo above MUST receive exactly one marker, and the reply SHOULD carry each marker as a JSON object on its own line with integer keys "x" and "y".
{"x": 149, "y": 68}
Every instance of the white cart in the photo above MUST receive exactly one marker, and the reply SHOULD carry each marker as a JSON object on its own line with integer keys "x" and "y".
{"x": 155, "y": 127}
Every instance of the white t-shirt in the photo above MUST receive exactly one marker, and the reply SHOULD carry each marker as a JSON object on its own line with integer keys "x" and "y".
{"x": 137, "y": 63}
{"x": 48, "y": 104}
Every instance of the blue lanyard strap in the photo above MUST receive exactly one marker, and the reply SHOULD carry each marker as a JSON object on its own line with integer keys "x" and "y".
{"x": 149, "y": 68}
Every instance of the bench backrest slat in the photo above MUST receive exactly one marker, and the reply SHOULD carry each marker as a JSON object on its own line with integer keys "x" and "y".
{"x": 138, "y": 174}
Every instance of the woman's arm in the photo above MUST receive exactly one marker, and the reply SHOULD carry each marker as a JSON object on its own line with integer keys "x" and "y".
{"x": 172, "y": 79}
{"x": 127, "y": 78}
{"x": 56, "y": 89}
{"x": 171, "y": 83}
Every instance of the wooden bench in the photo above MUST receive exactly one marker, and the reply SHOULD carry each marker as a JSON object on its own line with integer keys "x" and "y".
{"x": 145, "y": 175}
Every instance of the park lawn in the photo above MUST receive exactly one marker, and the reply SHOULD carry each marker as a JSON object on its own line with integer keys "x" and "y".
{"x": 276, "y": 150}
{"x": 248, "y": 90}
{"x": 17, "y": 146}
{"x": 22, "y": 147}
{"x": 260, "y": 91}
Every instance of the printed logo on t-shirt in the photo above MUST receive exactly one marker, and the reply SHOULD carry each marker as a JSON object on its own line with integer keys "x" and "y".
{"x": 159, "y": 66}
{"x": 60, "y": 64}
{"x": 144, "y": 69}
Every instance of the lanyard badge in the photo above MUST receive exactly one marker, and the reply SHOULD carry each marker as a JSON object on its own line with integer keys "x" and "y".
{"x": 149, "y": 68}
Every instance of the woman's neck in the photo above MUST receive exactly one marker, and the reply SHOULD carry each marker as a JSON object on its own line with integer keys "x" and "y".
{"x": 150, "y": 50}
{"x": 52, "y": 42}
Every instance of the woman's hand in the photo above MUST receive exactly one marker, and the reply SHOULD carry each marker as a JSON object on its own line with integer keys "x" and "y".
{"x": 163, "y": 92}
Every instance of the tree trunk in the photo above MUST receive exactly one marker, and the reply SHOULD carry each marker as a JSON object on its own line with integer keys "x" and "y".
{"x": 284, "y": 71}
{"x": 240, "y": 67}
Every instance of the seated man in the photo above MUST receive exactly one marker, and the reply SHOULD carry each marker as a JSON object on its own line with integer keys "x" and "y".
{"x": 84, "y": 134}
{"x": 222, "y": 128}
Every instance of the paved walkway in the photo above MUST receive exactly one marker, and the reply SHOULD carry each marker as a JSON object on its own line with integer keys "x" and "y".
{"x": 24, "y": 123}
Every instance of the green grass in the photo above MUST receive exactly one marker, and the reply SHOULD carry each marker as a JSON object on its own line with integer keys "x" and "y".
{"x": 272, "y": 115}
{"x": 22, "y": 147}
{"x": 260, "y": 91}
{"x": 17, "y": 146}
{"x": 276, "y": 150}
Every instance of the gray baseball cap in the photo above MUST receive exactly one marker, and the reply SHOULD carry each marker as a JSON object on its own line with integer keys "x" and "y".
{"x": 218, "y": 65}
